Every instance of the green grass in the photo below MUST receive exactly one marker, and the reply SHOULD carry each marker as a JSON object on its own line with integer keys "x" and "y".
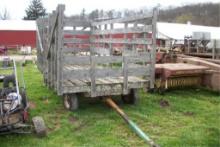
{"x": 191, "y": 119}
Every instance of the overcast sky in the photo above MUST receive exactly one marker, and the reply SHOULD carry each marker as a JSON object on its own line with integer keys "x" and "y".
{"x": 17, "y": 8}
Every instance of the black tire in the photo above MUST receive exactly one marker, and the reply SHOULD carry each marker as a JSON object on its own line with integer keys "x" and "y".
{"x": 9, "y": 79}
{"x": 131, "y": 98}
{"x": 70, "y": 102}
{"x": 39, "y": 126}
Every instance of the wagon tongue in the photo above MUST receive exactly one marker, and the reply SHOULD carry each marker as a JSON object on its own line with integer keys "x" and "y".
{"x": 133, "y": 126}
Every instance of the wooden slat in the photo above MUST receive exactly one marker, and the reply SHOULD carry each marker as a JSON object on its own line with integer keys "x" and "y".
{"x": 123, "y": 41}
{"x": 123, "y": 20}
{"x": 75, "y": 40}
{"x": 154, "y": 47}
{"x": 123, "y": 30}
{"x": 134, "y": 59}
{"x": 106, "y": 59}
{"x": 74, "y": 32}
{"x": 138, "y": 71}
{"x": 77, "y": 23}
{"x": 74, "y": 50}
{"x": 71, "y": 59}
{"x": 58, "y": 63}
{"x": 76, "y": 74}
{"x": 100, "y": 73}
{"x": 54, "y": 22}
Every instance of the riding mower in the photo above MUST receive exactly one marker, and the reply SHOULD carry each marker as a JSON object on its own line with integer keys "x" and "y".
{"x": 14, "y": 104}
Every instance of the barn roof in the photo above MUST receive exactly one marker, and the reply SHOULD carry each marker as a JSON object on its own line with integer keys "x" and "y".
{"x": 178, "y": 31}
{"x": 18, "y": 25}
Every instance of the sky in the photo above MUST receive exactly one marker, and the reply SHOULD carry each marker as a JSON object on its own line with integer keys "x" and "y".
{"x": 16, "y": 8}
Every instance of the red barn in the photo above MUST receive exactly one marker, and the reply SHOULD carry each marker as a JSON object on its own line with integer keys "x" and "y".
{"x": 15, "y": 33}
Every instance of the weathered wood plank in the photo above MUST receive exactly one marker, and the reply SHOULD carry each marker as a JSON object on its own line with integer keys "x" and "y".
{"x": 106, "y": 59}
{"x": 68, "y": 21}
{"x": 135, "y": 59}
{"x": 59, "y": 61}
{"x": 107, "y": 72}
{"x": 125, "y": 74}
{"x": 74, "y": 32}
{"x": 76, "y": 74}
{"x": 123, "y": 20}
{"x": 80, "y": 60}
{"x": 54, "y": 25}
{"x": 75, "y": 41}
{"x": 123, "y": 41}
{"x": 123, "y": 30}
{"x": 74, "y": 50}
{"x": 138, "y": 71}
{"x": 154, "y": 47}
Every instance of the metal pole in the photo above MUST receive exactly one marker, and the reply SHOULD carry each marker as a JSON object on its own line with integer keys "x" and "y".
{"x": 133, "y": 126}
{"x": 16, "y": 77}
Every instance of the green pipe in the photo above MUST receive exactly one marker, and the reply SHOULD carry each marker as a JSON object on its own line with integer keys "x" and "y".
{"x": 133, "y": 126}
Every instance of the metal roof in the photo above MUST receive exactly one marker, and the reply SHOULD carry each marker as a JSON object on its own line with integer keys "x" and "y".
{"x": 179, "y": 31}
{"x": 18, "y": 25}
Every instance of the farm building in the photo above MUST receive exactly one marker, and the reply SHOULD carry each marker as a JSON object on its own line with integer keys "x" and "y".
{"x": 16, "y": 33}
{"x": 175, "y": 31}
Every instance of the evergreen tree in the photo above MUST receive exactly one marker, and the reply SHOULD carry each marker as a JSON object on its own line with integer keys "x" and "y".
{"x": 83, "y": 13}
{"x": 35, "y": 10}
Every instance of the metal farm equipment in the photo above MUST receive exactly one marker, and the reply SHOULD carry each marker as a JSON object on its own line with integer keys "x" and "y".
{"x": 77, "y": 56}
{"x": 14, "y": 103}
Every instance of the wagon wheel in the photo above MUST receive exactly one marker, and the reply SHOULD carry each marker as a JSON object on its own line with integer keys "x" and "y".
{"x": 70, "y": 102}
{"x": 131, "y": 98}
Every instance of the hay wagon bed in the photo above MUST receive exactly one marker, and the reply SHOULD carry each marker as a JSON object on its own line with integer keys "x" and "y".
{"x": 96, "y": 58}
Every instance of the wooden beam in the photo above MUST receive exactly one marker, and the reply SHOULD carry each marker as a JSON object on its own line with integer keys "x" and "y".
{"x": 123, "y": 41}
{"x": 68, "y": 21}
{"x": 123, "y": 20}
{"x": 148, "y": 28}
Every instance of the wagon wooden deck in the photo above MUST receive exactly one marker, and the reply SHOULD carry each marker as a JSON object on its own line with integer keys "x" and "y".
{"x": 77, "y": 55}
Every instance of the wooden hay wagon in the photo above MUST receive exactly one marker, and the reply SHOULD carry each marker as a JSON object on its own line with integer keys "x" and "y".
{"x": 96, "y": 58}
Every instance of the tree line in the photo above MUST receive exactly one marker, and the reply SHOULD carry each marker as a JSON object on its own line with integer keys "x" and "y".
{"x": 199, "y": 14}
{"x": 207, "y": 14}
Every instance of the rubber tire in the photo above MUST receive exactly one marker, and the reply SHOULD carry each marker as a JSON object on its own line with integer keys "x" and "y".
{"x": 39, "y": 126}
{"x": 131, "y": 98}
{"x": 8, "y": 79}
{"x": 70, "y": 102}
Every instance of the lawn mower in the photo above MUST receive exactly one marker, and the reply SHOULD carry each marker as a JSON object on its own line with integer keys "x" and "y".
{"x": 14, "y": 103}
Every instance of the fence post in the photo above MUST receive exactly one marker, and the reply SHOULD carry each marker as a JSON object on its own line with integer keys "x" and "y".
{"x": 60, "y": 25}
{"x": 154, "y": 47}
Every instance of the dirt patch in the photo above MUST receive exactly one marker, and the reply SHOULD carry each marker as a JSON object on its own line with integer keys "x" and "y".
{"x": 164, "y": 103}
{"x": 32, "y": 105}
{"x": 73, "y": 119}
{"x": 188, "y": 113}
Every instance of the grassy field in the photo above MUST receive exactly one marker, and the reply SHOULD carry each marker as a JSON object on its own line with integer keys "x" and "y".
{"x": 189, "y": 117}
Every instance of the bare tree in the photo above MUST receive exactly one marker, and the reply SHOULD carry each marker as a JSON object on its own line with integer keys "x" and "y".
{"x": 5, "y": 15}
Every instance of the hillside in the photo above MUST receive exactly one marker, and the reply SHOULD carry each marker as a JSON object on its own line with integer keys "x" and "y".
{"x": 207, "y": 14}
